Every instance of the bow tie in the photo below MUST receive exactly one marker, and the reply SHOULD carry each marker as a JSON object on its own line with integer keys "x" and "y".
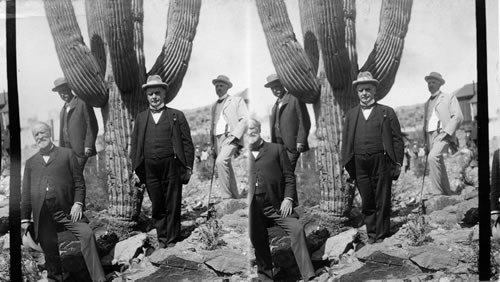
{"x": 256, "y": 147}
{"x": 366, "y": 107}
{"x": 155, "y": 111}
{"x": 46, "y": 152}
{"x": 220, "y": 100}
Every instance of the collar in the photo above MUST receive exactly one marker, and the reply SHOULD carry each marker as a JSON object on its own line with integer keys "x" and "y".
{"x": 46, "y": 152}
{"x": 435, "y": 94}
{"x": 157, "y": 110}
{"x": 257, "y": 147}
{"x": 221, "y": 99}
{"x": 369, "y": 106}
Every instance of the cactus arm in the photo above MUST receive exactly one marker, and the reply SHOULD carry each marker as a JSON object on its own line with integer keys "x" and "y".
{"x": 77, "y": 63}
{"x": 331, "y": 30}
{"x": 172, "y": 63}
{"x": 308, "y": 24}
{"x": 120, "y": 34}
{"x": 383, "y": 62}
{"x": 295, "y": 70}
{"x": 95, "y": 11}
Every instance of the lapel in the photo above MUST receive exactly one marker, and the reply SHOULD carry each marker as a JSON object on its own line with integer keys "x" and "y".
{"x": 52, "y": 156}
{"x": 262, "y": 150}
{"x": 439, "y": 99}
{"x": 355, "y": 114}
{"x": 226, "y": 103}
{"x": 284, "y": 102}
{"x": 72, "y": 105}
{"x": 171, "y": 119}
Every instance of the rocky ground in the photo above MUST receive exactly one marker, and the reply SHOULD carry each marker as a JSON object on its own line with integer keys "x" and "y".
{"x": 439, "y": 244}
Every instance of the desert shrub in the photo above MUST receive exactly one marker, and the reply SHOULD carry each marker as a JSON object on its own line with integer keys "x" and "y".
{"x": 210, "y": 233}
{"x": 416, "y": 230}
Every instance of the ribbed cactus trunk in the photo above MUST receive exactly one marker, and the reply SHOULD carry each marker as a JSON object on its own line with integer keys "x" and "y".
{"x": 111, "y": 73}
{"x": 328, "y": 28}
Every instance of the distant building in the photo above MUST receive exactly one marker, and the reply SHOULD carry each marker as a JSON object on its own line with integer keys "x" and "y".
{"x": 467, "y": 98}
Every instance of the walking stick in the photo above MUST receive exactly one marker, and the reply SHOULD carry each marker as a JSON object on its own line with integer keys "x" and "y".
{"x": 422, "y": 206}
{"x": 210, "y": 189}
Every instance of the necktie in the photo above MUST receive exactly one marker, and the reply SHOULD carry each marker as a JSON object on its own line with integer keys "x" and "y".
{"x": 256, "y": 147}
{"x": 45, "y": 151}
{"x": 154, "y": 111}
{"x": 366, "y": 107}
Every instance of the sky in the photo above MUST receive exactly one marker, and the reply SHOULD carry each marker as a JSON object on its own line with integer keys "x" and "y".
{"x": 230, "y": 40}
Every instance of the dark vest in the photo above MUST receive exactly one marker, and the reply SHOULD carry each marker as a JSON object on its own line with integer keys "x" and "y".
{"x": 368, "y": 135}
{"x": 157, "y": 142}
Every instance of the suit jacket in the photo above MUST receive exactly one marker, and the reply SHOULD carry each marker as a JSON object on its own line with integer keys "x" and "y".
{"x": 181, "y": 140}
{"x": 235, "y": 113}
{"x": 82, "y": 126}
{"x": 495, "y": 181}
{"x": 272, "y": 169}
{"x": 294, "y": 123}
{"x": 391, "y": 136}
{"x": 63, "y": 175}
{"x": 448, "y": 112}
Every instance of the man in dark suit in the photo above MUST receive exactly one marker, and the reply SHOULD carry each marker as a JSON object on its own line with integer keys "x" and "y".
{"x": 290, "y": 122}
{"x": 273, "y": 195}
{"x": 372, "y": 154}
{"x": 78, "y": 124}
{"x": 54, "y": 190}
{"x": 162, "y": 154}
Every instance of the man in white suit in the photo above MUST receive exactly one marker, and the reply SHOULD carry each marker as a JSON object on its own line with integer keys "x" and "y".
{"x": 228, "y": 125}
{"x": 442, "y": 118}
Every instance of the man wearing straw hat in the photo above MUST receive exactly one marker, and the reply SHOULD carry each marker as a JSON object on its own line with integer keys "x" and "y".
{"x": 372, "y": 154}
{"x": 290, "y": 122}
{"x": 442, "y": 117}
{"x": 162, "y": 154}
{"x": 78, "y": 124}
{"x": 228, "y": 125}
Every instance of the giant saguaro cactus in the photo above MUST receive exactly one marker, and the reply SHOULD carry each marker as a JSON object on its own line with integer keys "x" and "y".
{"x": 109, "y": 75}
{"x": 322, "y": 72}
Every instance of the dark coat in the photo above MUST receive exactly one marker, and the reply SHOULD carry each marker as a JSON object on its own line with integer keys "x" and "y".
{"x": 273, "y": 170}
{"x": 181, "y": 140}
{"x": 391, "y": 136}
{"x": 495, "y": 181}
{"x": 82, "y": 127}
{"x": 294, "y": 123}
{"x": 63, "y": 174}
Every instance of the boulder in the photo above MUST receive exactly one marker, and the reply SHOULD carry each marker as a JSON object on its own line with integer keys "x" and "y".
{"x": 230, "y": 206}
{"x": 335, "y": 246}
{"x": 443, "y": 218}
{"x": 125, "y": 250}
{"x": 440, "y": 202}
{"x": 228, "y": 262}
{"x": 160, "y": 256}
{"x": 435, "y": 258}
{"x": 368, "y": 251}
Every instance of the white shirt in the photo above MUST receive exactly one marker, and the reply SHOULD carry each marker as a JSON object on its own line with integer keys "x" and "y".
{"x": 220, "y": 127}
{"x": 157, "y": 116}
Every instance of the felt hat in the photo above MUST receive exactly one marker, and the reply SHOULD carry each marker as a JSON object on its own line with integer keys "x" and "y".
{"x": 273, "y": 79}
{"x": 365, "y": 77}
{"x": 59, "y": 83}
{"x": 223, "y": 79}
{"x": 435, "y": 75}
{"x": 154, "y": 80}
